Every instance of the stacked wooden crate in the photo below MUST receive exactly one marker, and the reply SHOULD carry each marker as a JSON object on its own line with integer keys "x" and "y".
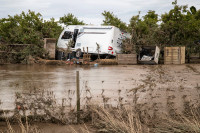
{"x": 86, "y": 57}
{"x": 174, "y": 55}
{"x": 127, "y": 59}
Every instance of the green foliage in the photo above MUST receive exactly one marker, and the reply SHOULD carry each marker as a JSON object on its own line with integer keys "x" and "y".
{"x": 111, "y": 19}
{"x": 21, "y": 28}
{"x": 51, "y": 29}
{"x": 179, "y": 26}
{"x": 193, "y": 10}
{"x": 144, "y": 31}
{"x": 70, "y": 19}
{"x": 28, "y": 28}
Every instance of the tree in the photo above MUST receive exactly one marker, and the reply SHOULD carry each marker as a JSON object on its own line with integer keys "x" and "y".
{"x": 181, "y": 27}
{"x": 111, "y": 19}
{"x": 23, "y": 28}
{"x": 51, "y": 29}
{"x": 28, "y": 28}
{"x": 144, "y": 31}
{"x": 70, "y": 19}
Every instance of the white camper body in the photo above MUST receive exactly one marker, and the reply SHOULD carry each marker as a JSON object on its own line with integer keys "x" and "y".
{"x": 109, "y": 39}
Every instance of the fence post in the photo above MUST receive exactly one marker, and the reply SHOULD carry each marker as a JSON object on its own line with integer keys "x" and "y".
{"x": 78, "y": 96}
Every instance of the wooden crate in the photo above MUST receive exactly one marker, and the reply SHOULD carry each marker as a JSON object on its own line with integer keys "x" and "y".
{"x": 86, "y": 57}
{"x": 174, "y": 55}
{"x": 127, "y": 59}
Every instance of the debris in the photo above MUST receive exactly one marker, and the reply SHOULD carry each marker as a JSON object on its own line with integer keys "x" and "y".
{"x": 146, "y": 58}
{"x": 96, "y": 65}
{"x": 149, "y": 55}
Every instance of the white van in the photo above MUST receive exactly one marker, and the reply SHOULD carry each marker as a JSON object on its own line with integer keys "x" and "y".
{"x": 109, "y": 39}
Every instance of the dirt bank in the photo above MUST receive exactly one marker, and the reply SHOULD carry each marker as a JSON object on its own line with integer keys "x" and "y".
{"x": 51, "y": 128}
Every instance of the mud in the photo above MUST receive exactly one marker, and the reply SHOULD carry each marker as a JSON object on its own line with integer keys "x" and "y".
{"x": 51, "y": 128}
{"x": 49, "y": 92}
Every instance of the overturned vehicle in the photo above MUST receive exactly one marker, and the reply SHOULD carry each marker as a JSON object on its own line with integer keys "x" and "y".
{"x": 96, "y": 40}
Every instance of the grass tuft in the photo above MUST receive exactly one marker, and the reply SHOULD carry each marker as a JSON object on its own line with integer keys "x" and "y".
{"x": 123, "y": 120}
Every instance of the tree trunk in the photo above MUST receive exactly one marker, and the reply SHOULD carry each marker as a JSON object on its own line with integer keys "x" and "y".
{"x": 188, "y": 58}
{"x": 199, "y": 55}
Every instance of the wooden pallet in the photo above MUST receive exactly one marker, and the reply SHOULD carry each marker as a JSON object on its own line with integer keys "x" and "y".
{"x": 87, "y": 57}
{"x": 174, "y": 55}
{"x": 127, "y": 59}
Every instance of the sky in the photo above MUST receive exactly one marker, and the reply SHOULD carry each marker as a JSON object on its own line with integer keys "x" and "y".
{"x": 90, "y": 11}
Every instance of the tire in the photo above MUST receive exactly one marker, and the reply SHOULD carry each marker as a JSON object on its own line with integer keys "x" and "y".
{"x": 78, "y": 53}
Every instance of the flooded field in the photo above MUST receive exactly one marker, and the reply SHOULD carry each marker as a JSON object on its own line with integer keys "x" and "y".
{"x": 50, "y": 91}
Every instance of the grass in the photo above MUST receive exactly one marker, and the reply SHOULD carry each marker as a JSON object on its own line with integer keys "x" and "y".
{"x": 116, "y": 120}
{"x": 127, "y": 120}
{"x": 22, "y": 127}
{"x": 189, "y": 123}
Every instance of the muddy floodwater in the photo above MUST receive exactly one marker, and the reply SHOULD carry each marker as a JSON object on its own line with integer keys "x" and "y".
{"x": 50, "y": 91}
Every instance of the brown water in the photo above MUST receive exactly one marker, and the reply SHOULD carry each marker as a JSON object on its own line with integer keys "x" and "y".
{"x": 60, "y": 80}
{"x": 41, "y": 89}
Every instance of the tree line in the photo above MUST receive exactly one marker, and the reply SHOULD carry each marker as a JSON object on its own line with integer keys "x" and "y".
{"x": 31, "y": 28}
{"x": 178, "y": 27}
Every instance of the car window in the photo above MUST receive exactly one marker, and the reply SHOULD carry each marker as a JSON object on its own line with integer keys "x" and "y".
{"x": 67, "y": 35}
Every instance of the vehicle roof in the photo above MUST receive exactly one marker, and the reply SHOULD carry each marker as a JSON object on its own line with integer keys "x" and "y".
{"x": 87, "y": 26}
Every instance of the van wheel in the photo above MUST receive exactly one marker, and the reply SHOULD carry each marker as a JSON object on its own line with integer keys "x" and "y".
{"x": 78, "y": 53}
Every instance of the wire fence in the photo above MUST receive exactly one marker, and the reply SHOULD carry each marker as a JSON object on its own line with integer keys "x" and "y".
{"x": 58, "y": 97}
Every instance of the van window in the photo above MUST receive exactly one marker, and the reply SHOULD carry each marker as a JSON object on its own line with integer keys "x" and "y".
{"x": 67, "y": 35}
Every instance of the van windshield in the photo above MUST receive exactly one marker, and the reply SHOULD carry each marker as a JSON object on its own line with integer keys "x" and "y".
{"x": 67, "y": 35}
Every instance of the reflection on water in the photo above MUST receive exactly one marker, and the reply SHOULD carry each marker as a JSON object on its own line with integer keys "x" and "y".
{"x": 51, "y": 90}
{"x": 36, "y": 88}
